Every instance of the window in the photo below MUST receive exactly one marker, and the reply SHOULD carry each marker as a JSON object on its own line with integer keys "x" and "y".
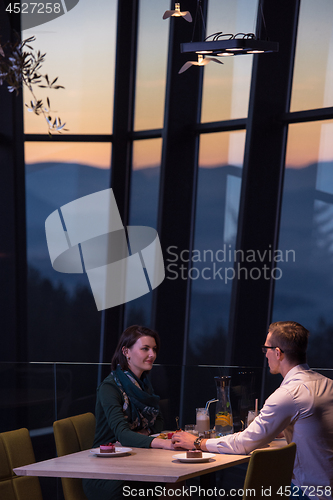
{"x": 304, "y": 289}
{"x": 63, "y": 321}
{"x": 313, "y": 73}
{"x": 212, "y": 263}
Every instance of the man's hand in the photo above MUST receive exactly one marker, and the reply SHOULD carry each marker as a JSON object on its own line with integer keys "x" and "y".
{"x": 183, "y": 440}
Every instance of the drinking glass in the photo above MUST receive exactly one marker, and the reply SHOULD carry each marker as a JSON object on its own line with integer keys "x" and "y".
{"x": 250, "y": 417}
{"x": 203, "y": 420}
{"x": 192, "y": 428}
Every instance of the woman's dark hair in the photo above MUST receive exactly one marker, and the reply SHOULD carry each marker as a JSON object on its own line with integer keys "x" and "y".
{"x": 127, "y": 339}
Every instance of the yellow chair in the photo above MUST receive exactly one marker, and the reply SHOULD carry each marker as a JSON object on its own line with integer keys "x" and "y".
{"x": 74, "y": 434}
{"x": 15, "y": 451}
{"x": 270, "y": 471}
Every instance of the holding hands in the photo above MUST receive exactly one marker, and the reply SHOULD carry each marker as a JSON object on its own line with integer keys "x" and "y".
{"x": 183, "y": 440}
{"x": 179, "y": 440}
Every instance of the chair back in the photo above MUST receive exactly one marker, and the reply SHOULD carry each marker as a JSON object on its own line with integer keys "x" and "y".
{"x": 15, "y": 451}
{"x": 269, "y": 471}
{"x": 74, "y": 434}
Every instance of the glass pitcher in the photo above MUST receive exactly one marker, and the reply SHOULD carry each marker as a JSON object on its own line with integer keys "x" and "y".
{"x": 223, "y": 416}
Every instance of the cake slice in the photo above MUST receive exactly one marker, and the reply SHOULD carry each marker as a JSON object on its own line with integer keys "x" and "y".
{"x": 107, "y": 448}
{"x": 194, "y": 454}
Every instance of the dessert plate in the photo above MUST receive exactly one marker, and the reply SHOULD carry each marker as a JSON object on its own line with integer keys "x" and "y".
{"x": 118, "y": 453}
{"x": 183, "y": 458}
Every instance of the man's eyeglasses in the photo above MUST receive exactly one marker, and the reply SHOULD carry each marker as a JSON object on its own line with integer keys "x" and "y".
{"x": 265, "y": 347}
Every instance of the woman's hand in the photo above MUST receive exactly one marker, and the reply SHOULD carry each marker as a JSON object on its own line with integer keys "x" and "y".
{"x": 183, "y": 440}
{"x": 166, "y": 444}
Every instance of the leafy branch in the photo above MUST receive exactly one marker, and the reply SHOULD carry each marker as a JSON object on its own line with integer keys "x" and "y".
{"x": 20, "y": 65}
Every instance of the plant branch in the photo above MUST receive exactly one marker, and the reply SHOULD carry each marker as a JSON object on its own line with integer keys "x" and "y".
{"x": 21, "y": 66}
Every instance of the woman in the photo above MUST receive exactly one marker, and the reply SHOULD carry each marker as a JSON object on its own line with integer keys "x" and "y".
{"x": 127, "y": 409}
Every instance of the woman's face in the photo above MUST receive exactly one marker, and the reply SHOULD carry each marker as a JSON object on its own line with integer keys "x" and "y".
{"x": 141, "y": 356}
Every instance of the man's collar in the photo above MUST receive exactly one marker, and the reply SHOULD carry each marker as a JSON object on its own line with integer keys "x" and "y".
{"x": 292, "y": 372}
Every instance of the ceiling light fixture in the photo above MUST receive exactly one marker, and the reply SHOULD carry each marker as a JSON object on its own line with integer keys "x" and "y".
{"x": 235, "y": 46}
{"x": 223, "y": 44}
{"x": 202, "y": 61}
{"x": 220, "y": 44}
{"x": 178, "y": 13}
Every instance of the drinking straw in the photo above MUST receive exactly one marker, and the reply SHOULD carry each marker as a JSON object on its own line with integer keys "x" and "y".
{"x": 256, "y": 408}
{"x": 210, "y": 401}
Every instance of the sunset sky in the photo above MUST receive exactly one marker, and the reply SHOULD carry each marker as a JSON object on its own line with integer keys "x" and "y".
{"x": 80, "y": 48}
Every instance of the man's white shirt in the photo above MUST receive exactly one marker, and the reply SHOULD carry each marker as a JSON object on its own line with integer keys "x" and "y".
{"x": 302, "y": 407}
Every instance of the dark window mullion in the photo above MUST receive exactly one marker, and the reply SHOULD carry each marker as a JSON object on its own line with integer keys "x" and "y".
{"x": 178, "y": 189}
{"x": 262, "y": 183}
{"x": 309, "y": 115}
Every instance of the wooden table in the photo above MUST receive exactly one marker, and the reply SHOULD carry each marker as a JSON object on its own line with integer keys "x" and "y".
{"x": 143, "y": 464}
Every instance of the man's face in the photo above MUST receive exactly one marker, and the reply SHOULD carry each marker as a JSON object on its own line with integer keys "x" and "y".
{"x": 272, "y": 356}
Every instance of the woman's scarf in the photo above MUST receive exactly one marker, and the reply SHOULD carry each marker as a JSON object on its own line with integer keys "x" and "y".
{"x": 144, "y": 408}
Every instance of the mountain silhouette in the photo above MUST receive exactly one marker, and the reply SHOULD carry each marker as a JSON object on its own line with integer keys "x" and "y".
{"x": 303, "y": 292}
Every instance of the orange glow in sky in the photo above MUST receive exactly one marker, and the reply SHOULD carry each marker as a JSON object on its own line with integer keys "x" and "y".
{"x": 92, "y": 154}
{"x": 80, "y": 50}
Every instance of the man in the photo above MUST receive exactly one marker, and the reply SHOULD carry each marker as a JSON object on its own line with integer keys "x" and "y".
{"x": 302, "y": 407}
